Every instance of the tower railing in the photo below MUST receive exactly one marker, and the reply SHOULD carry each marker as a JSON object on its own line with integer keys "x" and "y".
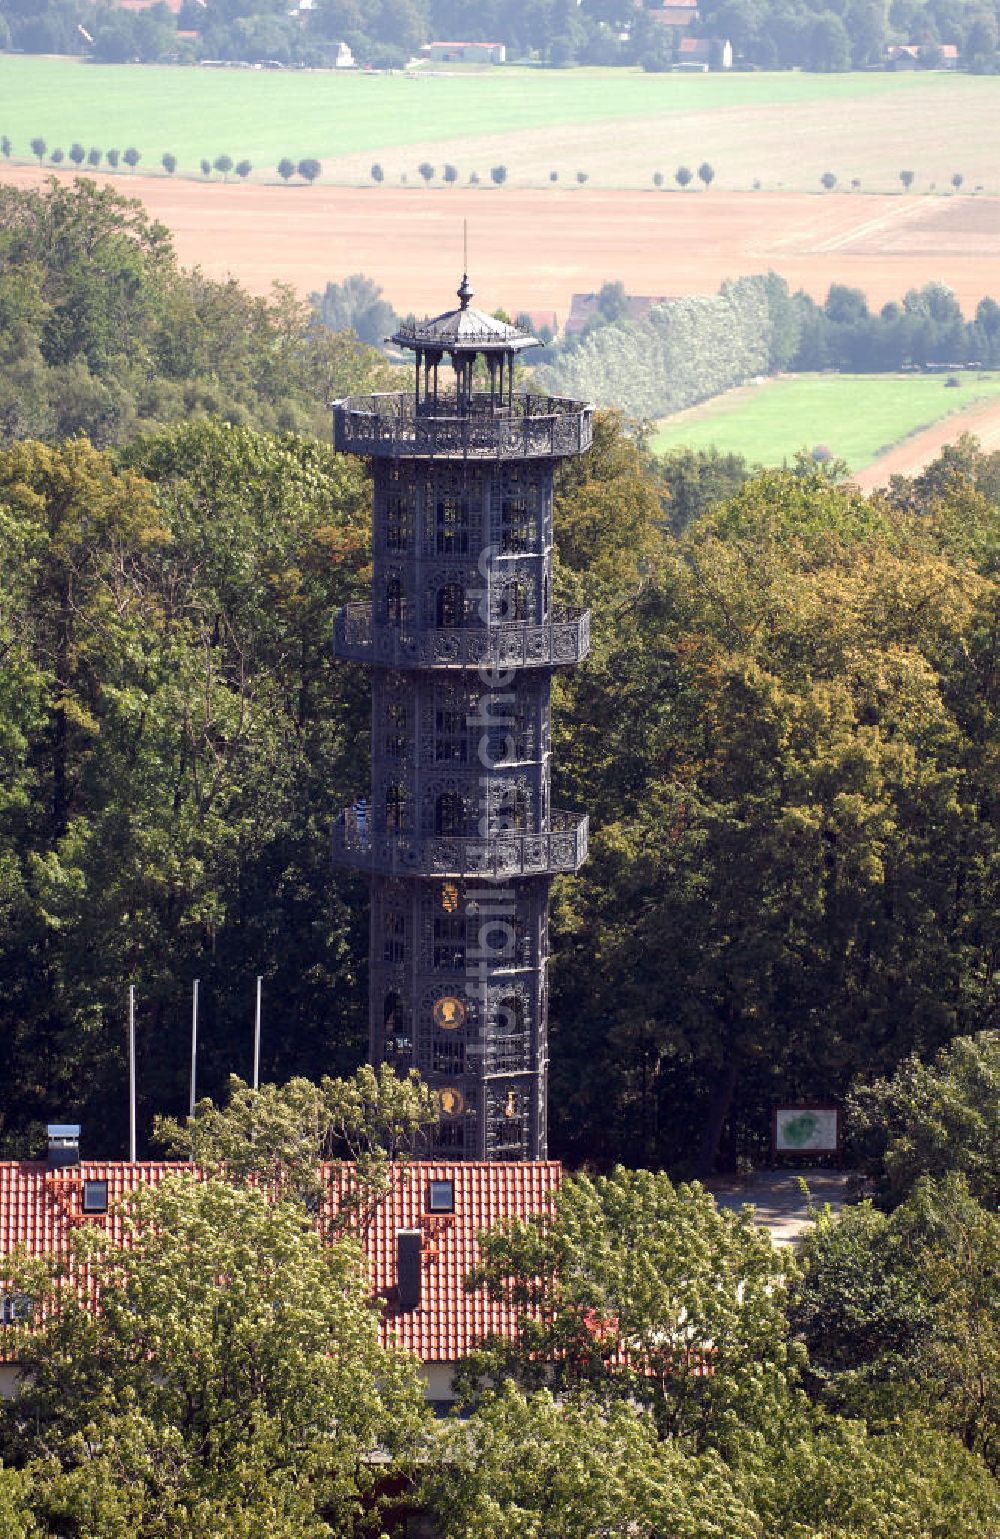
{"x": 562, "y": 847}
{"x": 394, "y": 424}
{"x": 564, "y": 640}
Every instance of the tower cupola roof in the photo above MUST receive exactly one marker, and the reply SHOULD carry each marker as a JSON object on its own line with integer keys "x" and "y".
{"x": 463, "y": 331}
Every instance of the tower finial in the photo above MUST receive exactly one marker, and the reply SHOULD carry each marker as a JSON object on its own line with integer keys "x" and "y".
{"x": 464, "y": 289}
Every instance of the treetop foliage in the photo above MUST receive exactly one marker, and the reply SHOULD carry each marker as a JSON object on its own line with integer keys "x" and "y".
{"x": 932, "y": 1119}
{"x": 630, "y": 1289}
{"x": 102, "y": 333}
{"x": 280, "y": 1135}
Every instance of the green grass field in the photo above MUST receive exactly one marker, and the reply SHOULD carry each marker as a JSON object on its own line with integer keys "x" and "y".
{"x": 264, "y": 114}
{"x": 856, "y": 416}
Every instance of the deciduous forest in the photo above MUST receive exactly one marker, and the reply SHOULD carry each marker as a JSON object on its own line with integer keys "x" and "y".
{"x": 786, "y": 736}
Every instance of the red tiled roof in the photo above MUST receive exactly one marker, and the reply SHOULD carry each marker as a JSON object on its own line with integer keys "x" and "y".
{"x": 40, "y": 1207}
{"x": 173, "y": 6}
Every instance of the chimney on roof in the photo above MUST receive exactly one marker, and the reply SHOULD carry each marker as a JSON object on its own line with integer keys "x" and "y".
{"x": 64, "y": 1144}
{"x": 408, "y": 1269}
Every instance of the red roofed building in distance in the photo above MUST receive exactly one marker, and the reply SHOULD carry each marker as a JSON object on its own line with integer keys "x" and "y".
{"x": 705, "y": 53}
{"x": 423, "y": 1236}
{"x": 675, "y": 13}
{"x": 173, "y": 6}
{"x": 584, "y": 307}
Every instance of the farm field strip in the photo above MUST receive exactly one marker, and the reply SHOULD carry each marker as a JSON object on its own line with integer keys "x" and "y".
{"x": 532, "y": 250}
{"x": 856, "y": 417}
{"x": 914, "y": 453}
{"x": 783, "y": 129}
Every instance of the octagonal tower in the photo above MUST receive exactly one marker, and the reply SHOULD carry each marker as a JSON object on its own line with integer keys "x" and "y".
{"x": 457, "y": 833}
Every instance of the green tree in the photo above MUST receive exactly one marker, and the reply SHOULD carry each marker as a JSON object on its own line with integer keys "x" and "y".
{"x": 243, "y": 169}
{"x": 626, "y": 1291}
{"x": 899, "y": 1313}
{"x": 683, "y": 176}
{"x": 694, "y": 1025}
{"x": 906, "y": 177}
{"x": 829, "y": 47}
{"x": 112, "y": 157}
{"x": 957, "y": 181}
{"x": 94, "y": 156}
{"x": 131, "y": 157}
{"x": 498, "y": 175}
{"x": 38, "y": 148}
{"x": 6, "y": 148}
{"x": 77, "y": 154}
{"x": 377, "y": 173}
{"x": 933, "y": 1119}
{"x": 223, "y": 164}
{"x": 530, "y": 1464}
{"x": 280, "y": 1135}
{"x": 286, "y": 168}
{"x": 706, "y": 174}
{"x": 657, "y": 178}
{"x": 231, "y": 1339}
{"x": 309, "y": 170}
{"x": 57, "y": 156}
{"x": 205, "y": 166}
{"x": 828, "y": 181}
{"x": 169, "y": 163}
{"x": 426, "y": 170}
{"x": 449, "y": 175}
{"x": 582, "y": 176}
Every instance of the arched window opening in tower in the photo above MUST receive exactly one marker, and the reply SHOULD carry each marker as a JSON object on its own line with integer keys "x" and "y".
{"x": 395, "y": 729}
{"x": 518, "y": 530}
{"x": 398, "y": 522}
{"x": 448, "y": 1057}
{"x": 395, "y": 807}
{"x": 451, "y": 735}
{"x": 513, "y": 741}
{"x": 394, "y": 601}
{"x": 512, "y": 810}
{"x": 451, "y": 528}
{"x": 449, "y": 943}
{"x": 395, "y": 1026}
{"x": 394, "y": 944}
{"x": 513, "y": 603}
{"x": 450, "y": 606}
{"x": 451, "y": 817}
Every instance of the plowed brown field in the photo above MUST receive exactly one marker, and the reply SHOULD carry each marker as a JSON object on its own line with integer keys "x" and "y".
{"x": 532, "y": 249}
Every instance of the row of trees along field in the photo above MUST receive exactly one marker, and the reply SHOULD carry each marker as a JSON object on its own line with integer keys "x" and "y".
{"x": 769, "y": 34}
{"x": 785, "y": 736}
{"x": 685, "y": 350}
{"x": 669, "y": 1371}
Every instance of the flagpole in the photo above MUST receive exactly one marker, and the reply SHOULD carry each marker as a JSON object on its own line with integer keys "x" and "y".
{"x": 194, "y": 1043}
{"x": 131, "y": 1073}
{"x": 256, "y": 1038}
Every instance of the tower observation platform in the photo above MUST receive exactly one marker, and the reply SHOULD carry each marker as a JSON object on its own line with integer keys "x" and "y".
{"x": 456, "y": 833}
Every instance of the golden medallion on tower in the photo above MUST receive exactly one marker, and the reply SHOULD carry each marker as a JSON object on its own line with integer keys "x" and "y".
{"x": 449, "y": 1013}
{"x": 451, "y": 1101}
{"x": 449, "y": 897}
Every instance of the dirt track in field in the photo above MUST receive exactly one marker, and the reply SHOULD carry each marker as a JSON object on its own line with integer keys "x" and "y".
{"x": 911, "y": 456}
{"x": 532, "y": 249}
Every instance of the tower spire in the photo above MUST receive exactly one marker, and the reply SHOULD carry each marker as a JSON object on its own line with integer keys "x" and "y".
{"x": 464, "y": 288}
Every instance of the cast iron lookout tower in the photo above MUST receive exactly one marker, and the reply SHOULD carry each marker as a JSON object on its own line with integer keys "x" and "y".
{"x": 458, "y": 835}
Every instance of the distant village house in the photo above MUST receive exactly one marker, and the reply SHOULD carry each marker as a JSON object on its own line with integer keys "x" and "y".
{"x": 465, "y": 53}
